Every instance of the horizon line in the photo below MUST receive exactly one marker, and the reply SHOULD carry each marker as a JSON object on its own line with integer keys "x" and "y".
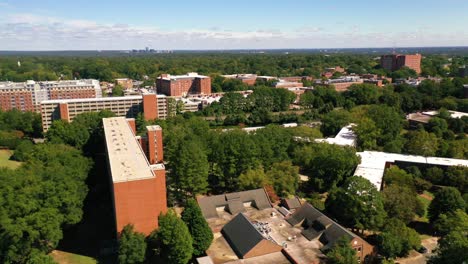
{"x": 256, "y": 49}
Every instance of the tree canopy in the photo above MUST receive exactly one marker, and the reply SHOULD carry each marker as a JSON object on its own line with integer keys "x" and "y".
{"x": 198, "y": 227}
{"x": 357, "y": 204}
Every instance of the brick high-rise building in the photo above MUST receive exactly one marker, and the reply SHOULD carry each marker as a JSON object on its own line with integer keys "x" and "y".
{"x": 181, "y": 85}
{"x": 138, "y": 181}
{"x": 27, "y": 96}
{"x": 396, "y": 61}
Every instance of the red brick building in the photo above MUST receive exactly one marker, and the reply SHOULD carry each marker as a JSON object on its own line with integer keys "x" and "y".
{"x": 182, "y": 85}
{"x": 27, "y": 96}
{"x": 138, "y": 179}
{"x": 396, "y": 61}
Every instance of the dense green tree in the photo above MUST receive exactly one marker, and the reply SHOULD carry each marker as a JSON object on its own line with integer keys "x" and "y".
{"x": 457, "y": 176}
{"x": 117, "y": 90}
{"x": 421, "y": 143}
{"x": 396, "y": 239}
{"x": 451, "y": 249}
{"x": 253, "y": 179}
{"x": 172, "y": 241}
{"x": 452, "y": 221}
{"x": 446, "y": 200}
{"x": 132, "y": 246}
{"x": 387, "y": 120}
{"x": 363, "y": 93}
{"x": 367, "y": 134}
{"x": 63, "y": 132}
{"x": 39, "y": 257}
{"x": 342, "y": 253}
{"x": 39, "y": 199}
{"x": 403, "y": 73}
{"x": 358, "y": 204}
{"x": 27, "y": 122}
{"x": 23, "y": 150}
{"x": 397, "y": 176}
{"x": 189, "y": 168}
{"x": 230, "y": 157}
{"x": 333, "y": 122}
{"x": 198, "y": 227}
{"x": 328, "y": 165}
{"x": 400, "y": 202}
{"x": 438, "y": 126}
{"x": 284, "y": 177}
{"x": 434, "y": 175}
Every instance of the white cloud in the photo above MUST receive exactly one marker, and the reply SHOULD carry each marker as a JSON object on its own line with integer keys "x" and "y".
{"x": 33, "y": 32}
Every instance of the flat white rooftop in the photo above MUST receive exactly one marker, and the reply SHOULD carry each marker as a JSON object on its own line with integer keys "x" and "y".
{"x": 453, "y": 114}
{"x": 185, "y": 76}
{"x": 345, "y": 137}
{"x": 127, "y": 160}
{"x": 372, "y": 166}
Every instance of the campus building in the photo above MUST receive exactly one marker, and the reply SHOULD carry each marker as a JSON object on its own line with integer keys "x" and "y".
{"x": 396, "y": 61}
{"x": 341, "y": 84}
{"x": 126, "y": 83}
{"x": 246, "y": 78}
{"x": 137, "y": 174}
{"x": 151, "y": 105}
{"x": 249, "y": 229}
{"x": 27, "y": 96}
{"x": 373, "y": 164}
{"x": 182, "y": 85}
{"x": 317, "y": 226}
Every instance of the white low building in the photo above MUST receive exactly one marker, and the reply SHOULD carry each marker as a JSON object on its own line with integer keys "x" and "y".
{"x": 346, "y": 137}
{"x": 374, "y": 163}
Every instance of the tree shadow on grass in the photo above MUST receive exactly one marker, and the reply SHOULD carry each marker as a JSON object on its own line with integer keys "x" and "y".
{"x": 95, "y": 235}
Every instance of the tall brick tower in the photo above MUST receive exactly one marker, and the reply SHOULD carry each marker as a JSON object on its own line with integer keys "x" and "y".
{"x": 138, "y": 183}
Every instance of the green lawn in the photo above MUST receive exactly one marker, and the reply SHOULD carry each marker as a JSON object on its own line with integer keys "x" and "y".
{"x": 70, "y": 258}
{"x": 426, "y": 199}
{"x": 5, "y": 161}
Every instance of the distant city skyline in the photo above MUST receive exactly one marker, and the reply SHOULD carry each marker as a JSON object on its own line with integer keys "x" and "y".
{"x": 241, "y": 24}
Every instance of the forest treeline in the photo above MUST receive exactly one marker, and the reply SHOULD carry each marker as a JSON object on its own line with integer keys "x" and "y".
{"x": 108, "y": 68}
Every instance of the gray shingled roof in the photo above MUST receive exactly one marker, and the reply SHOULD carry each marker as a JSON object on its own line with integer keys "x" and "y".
{"x": 333, "y": 234}
{"x": 318, "y": 225}
{"x": 292, "y": 203}
{"x": 306, "y": 211}
{"x": 233, "y": 202}
{"x": 241, "y": 235}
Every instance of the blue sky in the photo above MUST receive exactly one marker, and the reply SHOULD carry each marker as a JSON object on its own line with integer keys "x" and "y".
{"x": 241, "y": 24}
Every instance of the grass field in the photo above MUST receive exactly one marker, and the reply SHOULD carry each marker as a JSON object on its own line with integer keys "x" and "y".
{"x": 426, "y": 199}
{"x": 62, "y": 257}
{"x": 5, "y": 161}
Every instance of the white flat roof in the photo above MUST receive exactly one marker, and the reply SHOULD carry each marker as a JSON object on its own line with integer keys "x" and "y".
{"x": 184, "y": 76}
{"x": 345, "y": 137}
{"x": 453, "y": 114}
{"x": 127, "y": 160}
{"x": 372, "y": 166}
{"x": 82, "y": 100}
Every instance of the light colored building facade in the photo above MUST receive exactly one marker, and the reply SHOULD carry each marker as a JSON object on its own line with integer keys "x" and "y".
{"x": 152, "y": 107}
{"x": 27, "y": 96}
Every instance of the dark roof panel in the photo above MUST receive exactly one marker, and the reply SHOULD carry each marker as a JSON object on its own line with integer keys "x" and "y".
{"x": 292, "y": 203}
{"x": 241, "y": 235}
{"x": 258, "y": 197}
{"x": 316, "y": 224}
{"x": 235, "y": 207}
